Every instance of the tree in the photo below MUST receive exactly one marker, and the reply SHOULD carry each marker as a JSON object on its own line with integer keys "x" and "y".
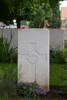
{"x": 33, "y": 10}
{"x": 55, "y": 21}
{"x": 14, "y": 9}
{"x": 4, "y": 16}
{"x": 39, "y": 14}
{"x": 45, "y": 9}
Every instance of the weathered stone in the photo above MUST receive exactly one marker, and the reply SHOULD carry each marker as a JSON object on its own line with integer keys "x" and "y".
{"x": 33, "y": 56}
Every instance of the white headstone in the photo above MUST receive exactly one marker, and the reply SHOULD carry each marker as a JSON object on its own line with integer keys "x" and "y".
{"x": 33, "y": 56}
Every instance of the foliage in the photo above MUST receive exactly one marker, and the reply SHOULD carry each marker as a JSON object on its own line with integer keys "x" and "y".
{"x": 65, "y": 60}
{"x": 55, "y": 20}
{"x": 34, "y": 11}
{"x": 53, "y": 3}
{"x": 8, "y": 80}
{"x": 65, "y": 43}
{"x": 39, "y": 15}
{"x": 65, "y": 52}
{"x": 30, "y": 90}
{"x": 4, "y": 16}
{"x": 38, "y": 19}
{"x": 56, "y": 57}
{"x": 16, "y": 9}
{"x": 7, "y": 53}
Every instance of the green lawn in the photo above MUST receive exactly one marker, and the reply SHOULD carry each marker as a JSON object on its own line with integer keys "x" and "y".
{"x": 58, "y": 76}
{"x": 8, "y": 69}
{"x": 5, "y": 65}
{"x": 58, "y": 73}
{"x": 65, "y": 49}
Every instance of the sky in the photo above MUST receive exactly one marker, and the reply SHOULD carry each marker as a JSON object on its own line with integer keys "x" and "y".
{"x": 63, "y": 3}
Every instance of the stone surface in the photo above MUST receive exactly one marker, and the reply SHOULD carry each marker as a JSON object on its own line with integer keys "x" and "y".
{"x": 65, "y": 34}
{"x": 6, "y": 33}
{"x": 33, "y": 56}
{"x": 0, "y": 32}
{"x": 57, "y": 39}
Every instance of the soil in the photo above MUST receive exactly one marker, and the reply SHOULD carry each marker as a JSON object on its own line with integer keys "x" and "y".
{"x": 57, "y": 93}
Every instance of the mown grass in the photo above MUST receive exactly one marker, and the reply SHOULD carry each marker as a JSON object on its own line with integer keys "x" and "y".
{"x": 8, "y": 66}
{"x": 58, "y": 75}
{"x": 65, "y": 49}
{"x": 8, "y": 69}
{"x": 3, "y": 66}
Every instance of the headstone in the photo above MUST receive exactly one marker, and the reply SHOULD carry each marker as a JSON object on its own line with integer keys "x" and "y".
{"x": 56, "y": 39}
{"x": 0, "y": 32}
{"x": 33, "y": 56}
{"x": 65, "y": 34}
{"x": 8, "y": 33}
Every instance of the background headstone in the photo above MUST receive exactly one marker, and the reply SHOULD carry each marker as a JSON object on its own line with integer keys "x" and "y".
{"x": 7, "y": 33}
{"x": 56, "y": 39}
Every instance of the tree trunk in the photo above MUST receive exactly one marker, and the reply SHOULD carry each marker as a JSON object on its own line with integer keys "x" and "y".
{"x": 18, "y": 22}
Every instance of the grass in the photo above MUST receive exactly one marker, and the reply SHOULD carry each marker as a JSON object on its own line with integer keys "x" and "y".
{"x": 65, "y": 49}
{"x": 8, "y": 69}
{"x": 5, "y": 65}
{"x": 21, "y": 98}
{"x": 13, "y": 99}
{"x": 65, "y": 52}
{"x": 58, "y": 75}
